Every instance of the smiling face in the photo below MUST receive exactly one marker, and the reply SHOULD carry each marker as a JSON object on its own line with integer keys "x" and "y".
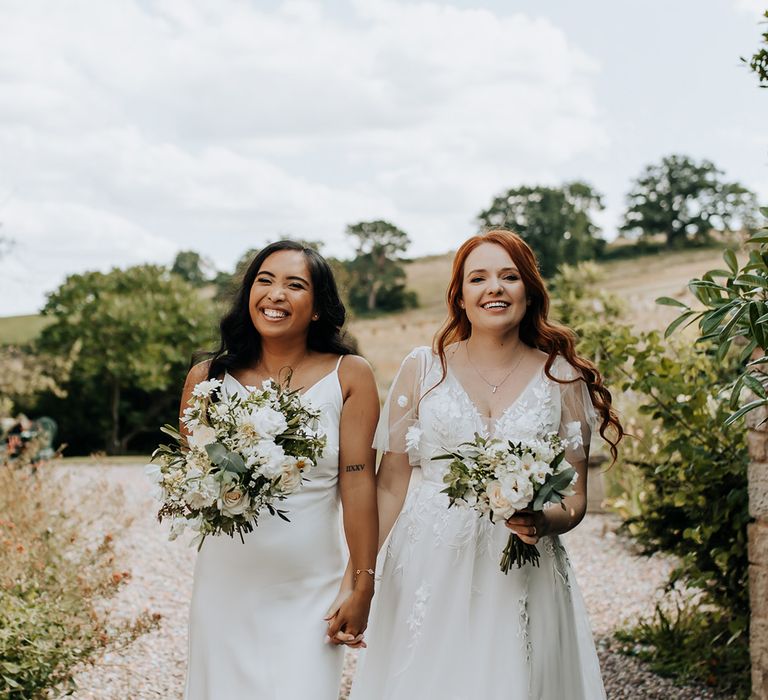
{"x": 282, "y": 298}
{"x": 492, "y": 291}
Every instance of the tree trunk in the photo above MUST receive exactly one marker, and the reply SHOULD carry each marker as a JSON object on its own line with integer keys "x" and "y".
{"x": 372, "y": 293}
{"x": 114, "y": 440}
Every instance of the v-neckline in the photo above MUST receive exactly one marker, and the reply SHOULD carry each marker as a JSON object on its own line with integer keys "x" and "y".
{"x": 490, "y": 420}
{"x": 302, "y": 393}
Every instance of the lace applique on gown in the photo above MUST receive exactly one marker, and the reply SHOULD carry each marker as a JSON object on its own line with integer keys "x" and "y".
{"x": 446, "y": 622}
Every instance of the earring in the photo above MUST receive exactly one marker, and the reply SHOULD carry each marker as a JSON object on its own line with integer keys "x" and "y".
{"x": 315, "y": 317}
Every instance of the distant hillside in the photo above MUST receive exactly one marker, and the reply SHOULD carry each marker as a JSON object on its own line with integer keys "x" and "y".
{"x": 17, "y": 330}
{"x": 638, "y": 281}
{"x": 385, "y": 340}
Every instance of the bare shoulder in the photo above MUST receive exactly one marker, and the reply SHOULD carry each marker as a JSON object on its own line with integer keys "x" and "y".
{"x": 355, "y": 368}
{"x": 198, "y": 373}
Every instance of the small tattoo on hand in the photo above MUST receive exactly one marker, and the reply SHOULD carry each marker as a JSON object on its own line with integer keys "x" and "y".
{"x": 355, "y": 467}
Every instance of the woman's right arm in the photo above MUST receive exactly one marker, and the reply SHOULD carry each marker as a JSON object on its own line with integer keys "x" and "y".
{"x": 198, "y": 373}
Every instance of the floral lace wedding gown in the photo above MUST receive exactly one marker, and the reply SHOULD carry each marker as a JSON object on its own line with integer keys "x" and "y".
{"x": 256, "y": 629}
{"x": 447, "y": 623}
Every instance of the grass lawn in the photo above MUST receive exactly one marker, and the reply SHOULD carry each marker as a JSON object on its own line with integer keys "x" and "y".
{"x": 17, "y": 330}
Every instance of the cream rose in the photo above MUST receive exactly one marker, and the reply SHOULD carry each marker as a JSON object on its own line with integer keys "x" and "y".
{"x": 201, "y": 436}
{"x": 290, "y": 479}
{"x": 233, "y": 500}
{"x": 500, "y": 505}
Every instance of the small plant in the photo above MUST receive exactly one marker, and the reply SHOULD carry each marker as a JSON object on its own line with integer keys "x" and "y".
{"x": 678, "y": 643}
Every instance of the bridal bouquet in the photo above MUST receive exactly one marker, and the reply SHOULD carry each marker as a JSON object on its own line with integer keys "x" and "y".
{"x": 243, "y": 454}
{"x": 498, "y": 478}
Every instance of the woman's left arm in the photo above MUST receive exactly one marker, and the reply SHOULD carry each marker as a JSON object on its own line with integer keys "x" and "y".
{"x": 577, "y": 417}
{"x": 357, "y": 486}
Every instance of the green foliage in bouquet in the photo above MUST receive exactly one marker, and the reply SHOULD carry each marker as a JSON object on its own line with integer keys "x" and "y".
{"x": 57, "y": 569}
{"x": 689, "y": 473}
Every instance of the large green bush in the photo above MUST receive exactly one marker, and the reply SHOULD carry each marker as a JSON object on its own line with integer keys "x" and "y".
{"x": 689, "y": 476}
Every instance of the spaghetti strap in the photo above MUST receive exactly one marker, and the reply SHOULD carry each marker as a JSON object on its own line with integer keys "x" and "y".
{"x": 338, "y": 364}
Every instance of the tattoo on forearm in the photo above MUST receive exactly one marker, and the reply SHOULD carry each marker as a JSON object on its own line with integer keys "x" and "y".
{"x": 354, "y": 467}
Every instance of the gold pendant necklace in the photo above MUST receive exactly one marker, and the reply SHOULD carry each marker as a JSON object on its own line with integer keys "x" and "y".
{"x": 494, "y": 387}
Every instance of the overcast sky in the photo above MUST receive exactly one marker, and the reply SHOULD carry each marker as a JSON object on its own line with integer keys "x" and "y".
{"x": 132, "y": 129}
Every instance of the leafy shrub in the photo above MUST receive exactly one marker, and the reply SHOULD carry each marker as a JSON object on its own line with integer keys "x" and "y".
{"x": 689, "y": 475}
{"x": 56, "y": 574}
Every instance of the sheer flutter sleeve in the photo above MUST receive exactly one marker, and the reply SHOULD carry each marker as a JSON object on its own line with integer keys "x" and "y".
{"x": 398, "y": 430}
{"x": 578, "y": 416}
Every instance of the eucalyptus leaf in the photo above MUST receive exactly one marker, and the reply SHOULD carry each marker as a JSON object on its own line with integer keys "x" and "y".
{"x": 217, "y": 453}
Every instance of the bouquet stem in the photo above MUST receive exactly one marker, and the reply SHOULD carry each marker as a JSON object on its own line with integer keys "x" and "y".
{"x": 518, "y": 553}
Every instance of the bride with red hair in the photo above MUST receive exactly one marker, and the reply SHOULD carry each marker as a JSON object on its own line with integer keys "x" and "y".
{"x": 447, "y": 623}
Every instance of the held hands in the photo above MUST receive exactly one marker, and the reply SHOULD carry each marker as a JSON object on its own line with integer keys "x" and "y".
{"x": 347, "y": 616}
{"x": 529, "y": 526}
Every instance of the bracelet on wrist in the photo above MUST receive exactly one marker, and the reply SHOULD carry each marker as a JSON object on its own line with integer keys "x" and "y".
{"x": 370, "y": 572}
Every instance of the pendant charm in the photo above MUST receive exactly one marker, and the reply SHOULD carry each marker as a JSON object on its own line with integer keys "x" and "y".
{"x": 493, "y": 391}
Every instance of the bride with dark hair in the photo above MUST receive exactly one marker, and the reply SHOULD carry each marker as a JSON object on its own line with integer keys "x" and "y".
{"x": 257, "y": 621}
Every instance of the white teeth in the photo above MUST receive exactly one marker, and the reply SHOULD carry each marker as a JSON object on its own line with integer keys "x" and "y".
{"x": 274, "y": 313}
{"x": 495, "y": 305}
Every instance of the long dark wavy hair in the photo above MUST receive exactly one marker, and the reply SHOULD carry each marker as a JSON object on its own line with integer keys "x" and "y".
{"x": 536, "y": 330}
{"x": 240, "y": 345}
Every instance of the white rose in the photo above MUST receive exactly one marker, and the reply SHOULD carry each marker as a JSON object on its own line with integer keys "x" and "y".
{"x": 264, "y": 422}
{"x": 271, "y": 456}
{"x": 233, "y": 500}
{"x": 201, "y": 493}
{"x": 201, "y": 436}
{"x": 290, "y": 480}
{"x": 518, "y": 490}
{"x": 500, "y": 504}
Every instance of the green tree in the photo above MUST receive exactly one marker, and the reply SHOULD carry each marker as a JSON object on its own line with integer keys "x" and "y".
{"x": 376, "y": 277}
{"x": 135, "y": 330}
{"x": 191, "y": 266}
{"x": 555, "y": 221}
{"x": 684, "y": 201}
{"x": 759, "y": 61}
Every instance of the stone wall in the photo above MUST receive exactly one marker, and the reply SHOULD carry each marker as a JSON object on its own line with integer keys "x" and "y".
{"x": 757, "y": 422}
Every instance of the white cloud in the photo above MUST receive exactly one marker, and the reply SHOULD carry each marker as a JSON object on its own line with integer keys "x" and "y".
{"x": 754, "y": 7}
{"x": 135, "y": 132}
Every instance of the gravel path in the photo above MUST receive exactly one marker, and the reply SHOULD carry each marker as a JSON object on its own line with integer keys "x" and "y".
{"x": 617, "y": 585}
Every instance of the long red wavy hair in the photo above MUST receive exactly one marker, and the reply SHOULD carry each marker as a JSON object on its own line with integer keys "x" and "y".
{"x": 535, "y": 329}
